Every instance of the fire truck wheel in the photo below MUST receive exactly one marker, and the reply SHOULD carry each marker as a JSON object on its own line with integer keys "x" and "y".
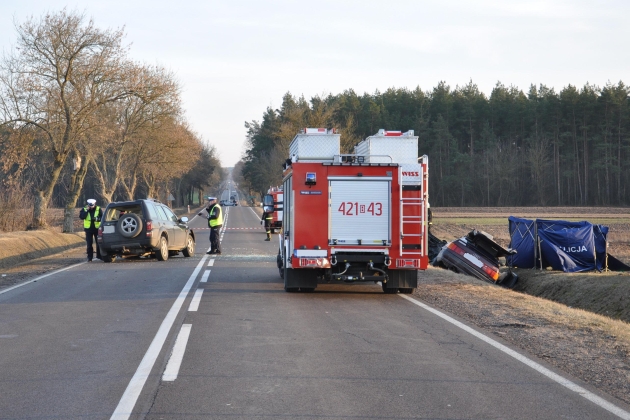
{"x": 280, "y": 264}
{"x": 388, "y": 290}
{"x": 406, "y": 290}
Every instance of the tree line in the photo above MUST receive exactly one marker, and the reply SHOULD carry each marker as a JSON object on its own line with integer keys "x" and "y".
{"x": 79, "y": 118}
{"x": 511, "y": 148}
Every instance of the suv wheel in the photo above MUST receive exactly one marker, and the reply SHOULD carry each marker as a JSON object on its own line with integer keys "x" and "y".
{"x": 129, "y": 225}
{"x": 189, "y": 251}
{"x": 162, "y": 252}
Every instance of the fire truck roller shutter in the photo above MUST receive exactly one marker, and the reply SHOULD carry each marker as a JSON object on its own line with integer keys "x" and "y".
{"x": 280, "y": 206}
{"x": 359, "y": 212}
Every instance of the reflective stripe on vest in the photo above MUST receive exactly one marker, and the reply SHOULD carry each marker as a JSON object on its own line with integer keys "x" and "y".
{"x": 87, "y": 222}
{"x": 219, "y": 220}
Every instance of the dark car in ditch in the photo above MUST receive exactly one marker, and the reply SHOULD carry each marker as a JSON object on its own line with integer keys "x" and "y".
{"x": 142, "y": 228}
{"x": 478, "y": 255}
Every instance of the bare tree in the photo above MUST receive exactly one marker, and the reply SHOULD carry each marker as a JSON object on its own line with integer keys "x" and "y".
{"x": 157, "y": 154}
{"x": 155, "y": 97}
{"x": 62, "y": 72}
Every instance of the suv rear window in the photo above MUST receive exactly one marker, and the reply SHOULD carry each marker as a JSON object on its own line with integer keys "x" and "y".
{"x": 113, "y": 213}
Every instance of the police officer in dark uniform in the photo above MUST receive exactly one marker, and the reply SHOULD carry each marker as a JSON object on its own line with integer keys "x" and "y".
{"x": 215, "y": 221}
{"x": 91, "y": 215}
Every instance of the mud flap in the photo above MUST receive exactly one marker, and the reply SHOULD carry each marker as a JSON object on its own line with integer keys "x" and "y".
{"x": 300, "y": 278}
{"x": 402, "y": 279}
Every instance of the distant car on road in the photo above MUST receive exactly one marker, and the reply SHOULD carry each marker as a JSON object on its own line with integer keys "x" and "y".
{"x": 143, "y": 227}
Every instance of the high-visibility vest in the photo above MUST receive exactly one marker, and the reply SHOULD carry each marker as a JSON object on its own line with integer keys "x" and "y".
{"x": 219, "y": 220}
{"x": 87, "y": 222}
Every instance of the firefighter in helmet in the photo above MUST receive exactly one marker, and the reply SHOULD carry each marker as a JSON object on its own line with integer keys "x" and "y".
{"x": 266, "y": 219}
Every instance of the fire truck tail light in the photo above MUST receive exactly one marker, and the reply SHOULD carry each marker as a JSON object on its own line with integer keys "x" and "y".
{"x": 402, "y": 263}
{"x": 315, "y": 262}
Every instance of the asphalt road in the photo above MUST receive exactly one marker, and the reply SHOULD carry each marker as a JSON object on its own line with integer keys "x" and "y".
{"x": 216, "y": 337}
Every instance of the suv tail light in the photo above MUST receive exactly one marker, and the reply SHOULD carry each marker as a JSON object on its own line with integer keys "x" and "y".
{"x": 99, "y": 236}
{"x": 149, "y": 229}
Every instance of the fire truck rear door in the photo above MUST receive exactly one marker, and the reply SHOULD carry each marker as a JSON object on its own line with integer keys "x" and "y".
{"x": 359, "y": 211}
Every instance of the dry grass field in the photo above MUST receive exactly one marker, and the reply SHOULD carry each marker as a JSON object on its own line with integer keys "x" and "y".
{"x": 453, "y": 222}
{"x": 577, "y": 322}
{"x": 605, "y": 293}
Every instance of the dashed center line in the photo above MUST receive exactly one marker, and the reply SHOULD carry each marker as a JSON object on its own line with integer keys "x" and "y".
{"x": 132, "y": 392}
{"x": 194, "y": 303}
{"x": 211, "y": 263}
{"x": 175, "y": 361}
{"x": 204, "y": 278}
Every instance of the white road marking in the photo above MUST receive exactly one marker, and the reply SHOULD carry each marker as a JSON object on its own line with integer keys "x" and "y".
{"x": 131, "y": 394}
{"x": 222, "y": 232}
{"x": 211, "y": 262}
{"x": 175, "y": 361}
{"x": 255, "y": 214}
{"x": 194, "y": 303}
{"x": 619, "y": 412}
{"x": 40, "y": 277}
{"x": 204, "y": 278}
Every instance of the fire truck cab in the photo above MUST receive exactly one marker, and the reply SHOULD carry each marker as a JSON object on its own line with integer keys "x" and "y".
{"x": 272, "y": 203}
{"x": 358, "y": 217}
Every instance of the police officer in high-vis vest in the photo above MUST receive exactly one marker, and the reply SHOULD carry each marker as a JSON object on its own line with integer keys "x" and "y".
{"x": 91, "y": 215}
{"x": 215, "y": 221}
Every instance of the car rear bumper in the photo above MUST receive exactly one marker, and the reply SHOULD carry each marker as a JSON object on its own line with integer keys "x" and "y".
{"x": 451, "y": 259}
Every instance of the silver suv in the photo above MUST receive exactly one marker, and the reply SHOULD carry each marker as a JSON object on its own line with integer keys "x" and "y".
{"x": 143, "y": 227}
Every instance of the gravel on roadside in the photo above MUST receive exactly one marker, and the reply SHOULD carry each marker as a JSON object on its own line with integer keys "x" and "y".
{"x": 590, "y": 347}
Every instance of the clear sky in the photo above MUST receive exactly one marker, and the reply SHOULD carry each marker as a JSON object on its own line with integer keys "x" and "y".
{"x": 236, "y": 58}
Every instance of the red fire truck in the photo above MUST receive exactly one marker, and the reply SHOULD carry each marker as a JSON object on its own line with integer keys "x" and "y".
{"x": 358, "y": 217}
{"x": 272, "y": 203}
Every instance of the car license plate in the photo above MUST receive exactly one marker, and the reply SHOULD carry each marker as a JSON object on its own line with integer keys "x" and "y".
{"x": 473, "y": 259}
{"x": 109, "y": 229}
